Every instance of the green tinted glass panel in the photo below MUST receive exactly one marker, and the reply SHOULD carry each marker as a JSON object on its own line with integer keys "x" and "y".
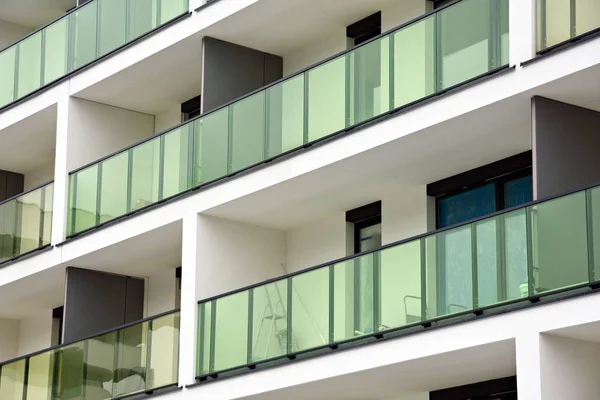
{"x": 143, "y": 17}
{"x": 8, "y": 229}
{"x": 164, "y": 351}
{"x": 40, "y": 376}
{"x": 7, "y": 76}
{"x": 175, "y": 167}
{"x": 504, "y": 33}
{"x": 269, "y": 321}
{"x": 170, "y": 9}
{"x": 113, "y": 187}
{"x": 369, "y": 81}
{"x": 100, "y": 366}
{"x": 132, "y": 350}
{"x": 515, "y": 254}
{"x": 84, "y": 23}
{"x": 248, "y": 131}
{"x": 554, "y": 22}
{"x": 211, "y": 138}
{"x": 231, "y": 331}
{"x": 489, "y": 290}
{"x": 12, "y": 381}
{"x": 310, "y": 309}
{"x": 414, "y": 61}
{"x": 455, "y": 270}
{"x": 327, "y": 98}
{"x": 29, "y": 64}
{"x": 29, "y": 219}
{"x": 48, "y": 211}
{"x": 69, "y": 371}
{"x": 594, "y": 228}
{"x": 559, "y": 243}
{"x": 56, "y": 50}
{"x": 285, "y": 110}
{"x": 465, "y": 41}
{"x": 145, "y": 174}
{"x": 587, "y": 16}
{"x": 401, "y": 300}
{"x": 84, "y": 189}
{"x": 112, "y": 25}
{"x": 204, "y": 338}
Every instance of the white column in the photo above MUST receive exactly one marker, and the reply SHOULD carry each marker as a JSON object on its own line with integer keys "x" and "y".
{"x": 189, "y": 304}
{"x": 61, "y": 182}
{"x": 522, "y": 28}
{"x": 529, "y": 385}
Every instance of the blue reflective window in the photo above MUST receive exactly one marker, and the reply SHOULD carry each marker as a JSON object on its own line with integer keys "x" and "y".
{"x": 464, "y": 206}
{"x": 518, "y": 191}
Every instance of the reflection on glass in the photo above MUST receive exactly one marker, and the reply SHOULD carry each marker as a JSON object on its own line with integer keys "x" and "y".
{"x": 559, "y": 243}
{"x": 26, "y": 222}
{"x": 508, "y": 257}
{"x": 560, "y": 20}
{"x": 444, "y": 49}
{"x": 89, "y": 32}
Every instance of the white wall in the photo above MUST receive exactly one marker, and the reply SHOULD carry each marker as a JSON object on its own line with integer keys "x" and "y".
{"x": 405, "y": 213}
{"x": 161, "y": 292}
{"x": 167, "y": 119}
{"x": 9, "y": 339}
{"x": 335, "y": 41}
{"x": 570, "y": 368}
{"x": 318, "y": 242}
{"x": 96, "y": 130}
{"x": 233, "y": 255}
{"x": 35, "y": 332}
{"x": 400, "y": 12}
{"x": 39, "y": 176}
{"x": 10, "y": 33}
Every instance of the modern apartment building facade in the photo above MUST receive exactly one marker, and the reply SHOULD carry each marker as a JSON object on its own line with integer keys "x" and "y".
{"x": 300, "y": 199}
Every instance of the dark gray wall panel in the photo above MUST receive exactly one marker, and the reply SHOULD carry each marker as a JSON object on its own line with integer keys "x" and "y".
{"x": 134, "y": 306}
{"x": 11, "y": 184}
{"x": 96, "y": 302}
{"x": 231, "y": 71}
{"x": 565, "y": 140}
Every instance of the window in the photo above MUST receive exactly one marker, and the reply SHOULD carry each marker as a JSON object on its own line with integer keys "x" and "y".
{"x": 367, "y": 236}
{"x": 473, "y": 194}
{"x": 497, "y": 389}
{"x": 365, "y": 29}
{"x": 191, "y": 108}
{"x": 464, "y": 197}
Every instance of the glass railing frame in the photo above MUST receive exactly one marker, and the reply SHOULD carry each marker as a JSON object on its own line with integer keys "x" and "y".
{"x": 426, "y": 322}
{"x": 42, "y": 224}
{"x": 573, "y": 39}
{"x": 125, "y": 326}
{"x": 69, "y": 61}
{"x": 296, "y": 150}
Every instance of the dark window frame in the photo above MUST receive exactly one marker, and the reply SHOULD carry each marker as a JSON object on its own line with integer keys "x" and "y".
{"x": 495, "y": 389}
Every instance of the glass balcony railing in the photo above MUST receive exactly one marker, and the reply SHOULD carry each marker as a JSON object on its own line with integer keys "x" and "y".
{"x": 511, "y": 257}
{"x": 26, "y": 222}
{"x": 561, "y": 20}
{"x": 418, "y": 60}
{"x": 134, "y": 359}
{"x": 80, "y": 37}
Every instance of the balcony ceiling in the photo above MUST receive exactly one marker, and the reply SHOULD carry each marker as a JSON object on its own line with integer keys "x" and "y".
{"x": 400, "y": 380}
{"x": 33, "y": 13}
{"x": 284, "y": 27}
{"x": 29, "y": 144}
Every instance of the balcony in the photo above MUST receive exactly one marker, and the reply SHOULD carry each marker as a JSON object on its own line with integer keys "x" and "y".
{"x": 26, "y": 222}
{"x": 79, "y": 38}
{"x": 415, "y": 61}
{"x": 133, "y": 359}
{"x": 503, "y": 262}
{"x": 559, "y": 22}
